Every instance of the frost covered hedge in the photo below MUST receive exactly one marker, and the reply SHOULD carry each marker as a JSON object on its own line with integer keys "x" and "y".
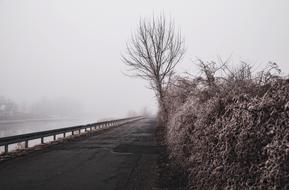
{"x": 232, "y": 133}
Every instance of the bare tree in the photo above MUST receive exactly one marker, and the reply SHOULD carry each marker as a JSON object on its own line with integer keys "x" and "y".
{"x": 153, "y": 52}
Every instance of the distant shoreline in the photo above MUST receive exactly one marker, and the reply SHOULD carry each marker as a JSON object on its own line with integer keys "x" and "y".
{"x": 7, "y": 121}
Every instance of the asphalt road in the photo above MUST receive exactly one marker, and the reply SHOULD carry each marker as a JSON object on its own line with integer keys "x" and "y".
{"x": 120, "y": 158}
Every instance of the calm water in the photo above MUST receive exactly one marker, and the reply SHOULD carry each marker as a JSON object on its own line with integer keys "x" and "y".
{"x": 10, "y": 128}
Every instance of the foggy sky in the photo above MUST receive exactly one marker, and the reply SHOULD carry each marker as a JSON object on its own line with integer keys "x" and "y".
{"x": 71, "y": 49}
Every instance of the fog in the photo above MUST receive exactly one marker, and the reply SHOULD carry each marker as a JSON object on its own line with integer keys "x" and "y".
{"x": 71, "y": 50}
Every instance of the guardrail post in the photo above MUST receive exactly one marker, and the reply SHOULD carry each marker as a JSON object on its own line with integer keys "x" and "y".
{"x": 6, "y": 148}
{"x": 64, "y": 135}
{"x": 54, "y": 137}
{"x": 72, "y": 132}
{"x": 26, "y": 144}
{"x": 42, "y": 140}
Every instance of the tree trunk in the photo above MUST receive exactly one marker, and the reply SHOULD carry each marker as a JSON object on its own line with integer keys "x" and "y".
{"x": 162, "y": 105}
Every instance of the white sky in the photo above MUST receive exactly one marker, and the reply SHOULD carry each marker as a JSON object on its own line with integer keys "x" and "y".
{"x": 69, "y": 48}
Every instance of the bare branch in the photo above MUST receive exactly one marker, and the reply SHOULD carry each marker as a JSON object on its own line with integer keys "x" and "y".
{"x": 153, "y": 52}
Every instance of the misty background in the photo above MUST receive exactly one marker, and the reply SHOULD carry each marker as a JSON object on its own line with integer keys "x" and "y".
{"x": 62, "y": 57}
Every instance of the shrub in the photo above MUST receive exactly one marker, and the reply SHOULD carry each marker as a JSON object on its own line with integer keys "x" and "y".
{"x": 231, "y": 132}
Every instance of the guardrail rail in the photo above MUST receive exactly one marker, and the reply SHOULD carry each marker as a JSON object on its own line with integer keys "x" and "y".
{"x": 6, "y": 141}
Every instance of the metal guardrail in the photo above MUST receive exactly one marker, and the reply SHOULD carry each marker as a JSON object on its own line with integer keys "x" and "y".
{"x": 6, "y": 141}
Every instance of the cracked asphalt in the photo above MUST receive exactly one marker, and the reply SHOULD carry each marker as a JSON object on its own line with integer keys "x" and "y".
{"x": 121, "y": 158}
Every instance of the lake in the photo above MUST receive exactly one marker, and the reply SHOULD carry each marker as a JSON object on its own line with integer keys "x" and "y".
{"x": 11, "y": 128}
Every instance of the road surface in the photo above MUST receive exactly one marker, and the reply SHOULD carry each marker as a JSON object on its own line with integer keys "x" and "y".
{"x": 120, "y": 158}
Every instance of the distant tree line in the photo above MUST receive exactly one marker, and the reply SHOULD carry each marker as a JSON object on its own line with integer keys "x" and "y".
{"x": 7, "y": 107}
{"x": 44, "y": 108}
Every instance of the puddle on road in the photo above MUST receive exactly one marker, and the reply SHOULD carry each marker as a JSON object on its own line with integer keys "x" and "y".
{"x": 142, "y": 134}
{"x": 138, "y": 149}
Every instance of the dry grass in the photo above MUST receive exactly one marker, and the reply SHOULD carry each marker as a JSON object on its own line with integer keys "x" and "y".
{"x": 231, "y": 131}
